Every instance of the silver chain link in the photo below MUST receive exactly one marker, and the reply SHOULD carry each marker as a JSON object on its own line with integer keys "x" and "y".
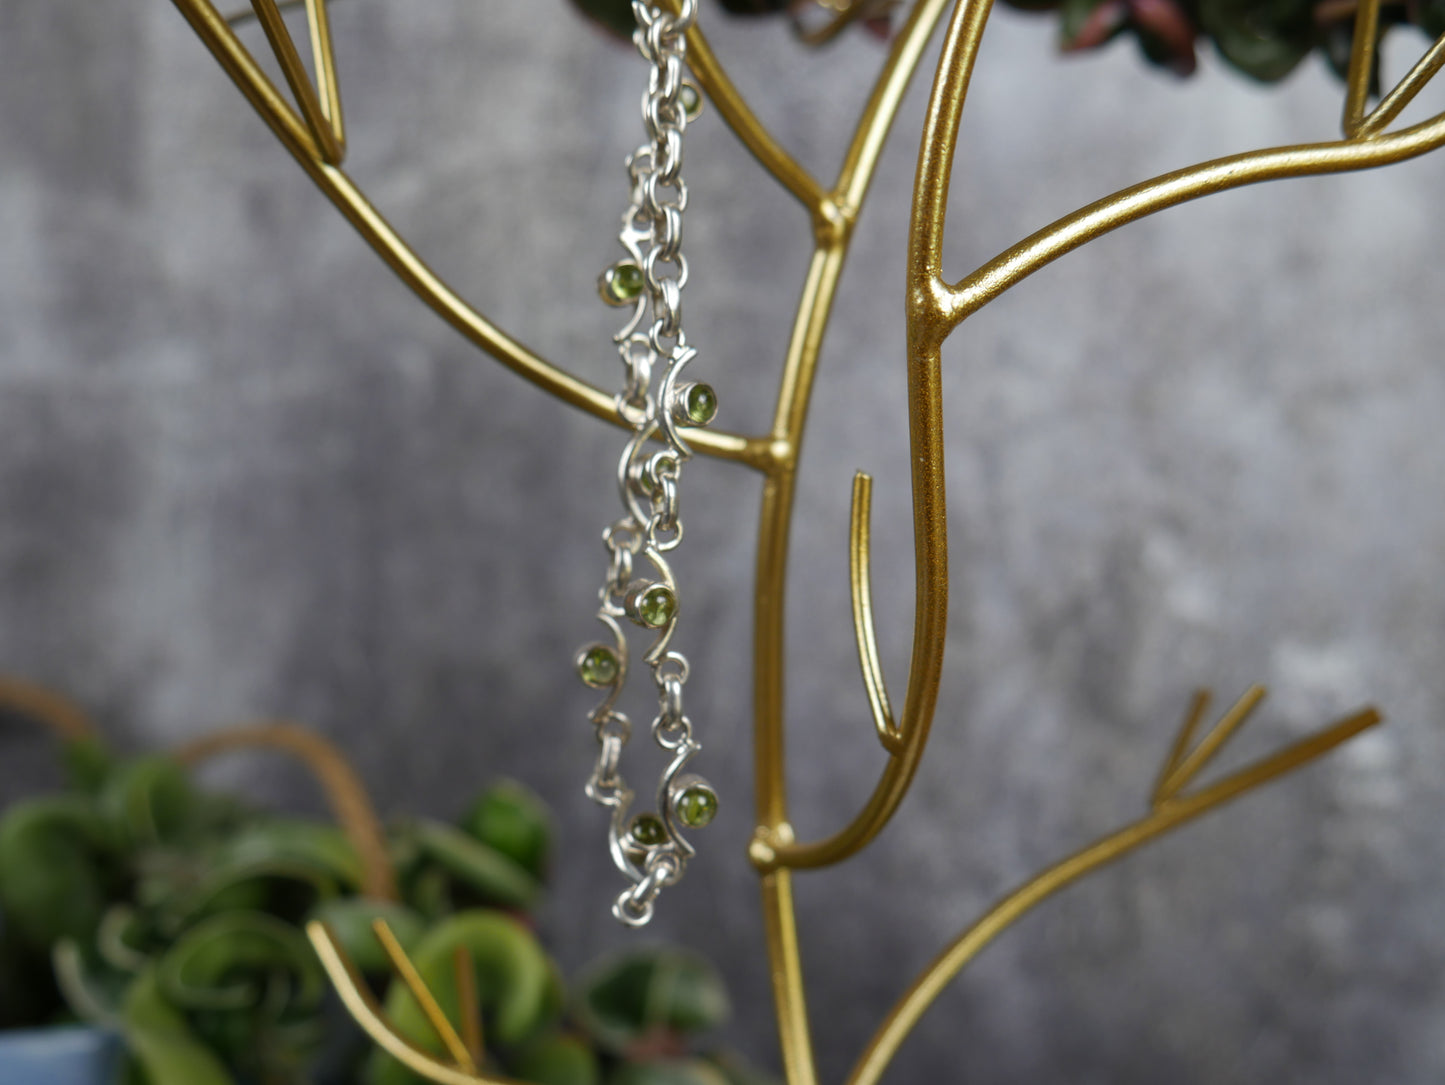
{"x": 649, "y": 848}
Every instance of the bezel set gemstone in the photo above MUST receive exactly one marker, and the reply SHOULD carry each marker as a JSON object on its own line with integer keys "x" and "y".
{"x": 695, "y": 404}
{"x": 696, "y": 805}
{"x": 647, "y": 830}
{"x": 651, "y": 605}
{"x": 690, "y": 98}
{"x": 598, "y": 665}
{"x": 621, "y": 284}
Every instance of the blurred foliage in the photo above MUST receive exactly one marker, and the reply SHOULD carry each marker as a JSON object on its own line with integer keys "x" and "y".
{"x": 141, "y": 903}
{"x": 1264, "y": 39}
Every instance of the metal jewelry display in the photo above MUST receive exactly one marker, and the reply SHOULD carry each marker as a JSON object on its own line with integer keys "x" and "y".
{"x": 311, "y": 130}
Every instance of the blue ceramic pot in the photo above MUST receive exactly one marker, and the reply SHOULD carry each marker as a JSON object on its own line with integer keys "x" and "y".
{"x": 59, "y": 1056}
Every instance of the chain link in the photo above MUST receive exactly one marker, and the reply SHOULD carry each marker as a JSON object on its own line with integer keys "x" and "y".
{"x": 649, "y": 848}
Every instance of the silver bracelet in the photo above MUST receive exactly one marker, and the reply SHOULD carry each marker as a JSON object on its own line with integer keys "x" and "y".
{"x": 649, "y": 848}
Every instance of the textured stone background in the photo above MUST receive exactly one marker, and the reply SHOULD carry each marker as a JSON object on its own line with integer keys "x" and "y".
{"x": 246, "y": 473}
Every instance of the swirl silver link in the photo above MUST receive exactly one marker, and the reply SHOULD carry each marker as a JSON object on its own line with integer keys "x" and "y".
{"x": 649, "y": 848}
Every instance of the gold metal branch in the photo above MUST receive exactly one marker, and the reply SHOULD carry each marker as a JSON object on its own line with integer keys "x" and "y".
{"x": 288, "y": 127}
{"x": 461, "y": 1054}
{"x": 1163, "y": 816}
{"x": 345, "y": 793}
{"x": 861, "y": 582}
{"x": 62, "y": 716}
{"x": 245, "y": 15}
{"x": 1390, "y": 105}
{"x": 954, "y": 303}
{"x": 925, "y": 430}
{"x": 321, "y": 112}
{"x": 1182, "y": 739}
{"x": 1184, "y": 764}
{"x": 469, "y": 1005}
{"x": 738, "y": 116}
{"x": 1363, "y": 59}
{"x": 774, "y": 846}
{"x": 941, "y": 307}
{"x": 367, "y": 1012}
{"x": 1364, "y": 56}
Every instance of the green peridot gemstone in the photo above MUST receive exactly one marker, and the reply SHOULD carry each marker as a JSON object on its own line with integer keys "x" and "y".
{"x": 656, "y": 606}
{"x": 597, "y": 665}
{"x": 697, "y": 806}
{"x": 691, "y": 101}
{"x": 645, "y": 475}
{"x": 699, "y": 403}
{"x": 621, "y": 284}
{"x": 647, "y": 830}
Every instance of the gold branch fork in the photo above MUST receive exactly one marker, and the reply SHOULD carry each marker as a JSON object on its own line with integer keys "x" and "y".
{"x": 310, "y": 127}
{"x": 462, "y": 1040}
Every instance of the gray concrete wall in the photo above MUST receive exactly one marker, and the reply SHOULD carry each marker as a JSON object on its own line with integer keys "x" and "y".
{"x": 244, "y": 472}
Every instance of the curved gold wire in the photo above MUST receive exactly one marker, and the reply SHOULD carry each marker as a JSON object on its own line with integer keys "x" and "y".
{"x": 325, "y": 142}
{"x": 65, "y": 719}
{"x": 930, "y": 622}
{"x": 241, "y": 16}
{"x": 323, "y": 62}
{"x": 884, "y": 1045}
{"x": 832, "y": 234}
{"x": 925, "y": 430}
{"x": 469, "y": 1003}
{"x": 1191, "y": 763}
{"x": 345, "y": 794}
{"x": 955, "y": 303}
{"x": 738, "y": 116}
{"x": 1192, "y": 719}
{"x": 1361, "y": 69}
{"x": 860, "y": 581}
{"x": 361, "y": 1004}
{"x": 860, "y": 161}
{"x": 431, "y": 1009}
{"x": 942, "y": 307}
{"x": 935, "y": 170}
{"x": 404, "y": 262}
{"x": 1364, "y": 58}
{"x": 1405, "y": 91}
{"x": 925, "y": 436}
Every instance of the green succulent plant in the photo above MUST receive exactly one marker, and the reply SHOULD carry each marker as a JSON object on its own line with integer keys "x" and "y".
{"x": 1263, "y": 39}
{"x": 175, "y": 916}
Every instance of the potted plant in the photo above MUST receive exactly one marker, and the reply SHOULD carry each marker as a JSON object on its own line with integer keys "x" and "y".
{"x": 153, "y": 932}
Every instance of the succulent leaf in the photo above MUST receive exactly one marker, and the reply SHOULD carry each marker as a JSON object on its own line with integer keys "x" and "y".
{"x": 668, "y": 1072}
{"x": 1265, "y": 39}
{"x": 643, "y": 993}
{"x": 88, "y": 763}
{"x": 496, "y": 877}
{"x": 149, "y": 801}
{"x": 1087, "y": 24}
{"x": 241, "y": 977}
{"x": 167, "y": 1051}
{"x": 227, "y": 962}
{"x": 556, "y": 1060}
{"x": 511, "y": 819}
{"x": 52, "y": 882}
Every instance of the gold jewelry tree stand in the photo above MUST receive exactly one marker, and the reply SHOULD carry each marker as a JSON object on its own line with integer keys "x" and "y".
{"x": 312, "y": 130}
